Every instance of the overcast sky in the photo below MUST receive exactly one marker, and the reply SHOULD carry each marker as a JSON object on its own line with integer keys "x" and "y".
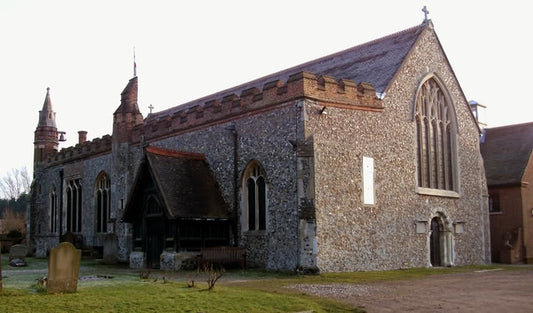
{"x": 83, "y": 51}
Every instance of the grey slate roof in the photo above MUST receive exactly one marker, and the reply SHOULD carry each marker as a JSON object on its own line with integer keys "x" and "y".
{"x": 506, "y": 152}
{"x": 374, "y": 62}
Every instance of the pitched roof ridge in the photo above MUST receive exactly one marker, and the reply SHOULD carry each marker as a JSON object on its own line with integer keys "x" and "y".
{"x": 511, "y": 125}
{"x": 175, "y": 153}
{"x": 292, "y": 69}
{"x": 364, "y": 44}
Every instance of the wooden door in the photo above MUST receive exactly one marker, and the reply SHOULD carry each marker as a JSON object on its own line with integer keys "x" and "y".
{"x": 155, "y": 241}
{"x": 434, "y": 242}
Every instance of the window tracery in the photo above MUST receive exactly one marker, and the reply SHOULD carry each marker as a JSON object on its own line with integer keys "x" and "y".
{"x": 436, "y": 138}
{"x": 74, "y": 205}
{"x": 103, "y": 201}
{"x": 255, "y": 198}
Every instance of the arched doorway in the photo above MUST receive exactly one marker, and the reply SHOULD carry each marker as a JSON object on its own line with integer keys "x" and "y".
{"x": 435, "y": 242}
{"x": 441, "y": 248}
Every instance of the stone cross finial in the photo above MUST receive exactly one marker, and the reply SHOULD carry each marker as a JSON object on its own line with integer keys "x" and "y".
{"x": 426, "y": 12}
{"x": 151, "y": 107}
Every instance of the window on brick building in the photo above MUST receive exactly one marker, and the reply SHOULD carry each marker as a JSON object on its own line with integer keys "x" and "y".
{"x": 494, "y": 203}
{"x": 74, "y": 206}
{"x": 436, "y": 129}
{"x": 254, "y": 198}
{"x": 102, "y": 201}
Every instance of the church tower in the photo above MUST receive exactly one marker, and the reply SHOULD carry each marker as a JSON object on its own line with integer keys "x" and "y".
{"x": 127, "y": 116}
{"x": 127, "y": 125}
{"x": 46, "y": 135}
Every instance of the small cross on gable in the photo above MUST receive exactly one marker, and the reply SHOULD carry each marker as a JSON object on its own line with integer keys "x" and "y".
{"x": 426, "y": 12}
{"x": 151, "y": 107}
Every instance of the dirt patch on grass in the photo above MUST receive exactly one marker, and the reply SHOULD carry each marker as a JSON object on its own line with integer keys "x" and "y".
{"x": 481, "y": 291}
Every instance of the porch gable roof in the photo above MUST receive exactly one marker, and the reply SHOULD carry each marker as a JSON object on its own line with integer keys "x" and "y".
{"x": 185, "y": 183}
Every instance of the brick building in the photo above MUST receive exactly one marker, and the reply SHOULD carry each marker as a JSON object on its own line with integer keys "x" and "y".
{"x": 365, "y": 159}
{"x": 507, "y": 153}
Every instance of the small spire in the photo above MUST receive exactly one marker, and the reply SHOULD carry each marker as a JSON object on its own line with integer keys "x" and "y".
{"x": 47, "y": 105}
{"x": 426, "y": 12}
{"x": 47, "y": 117}
{"x": 134, "y": 64}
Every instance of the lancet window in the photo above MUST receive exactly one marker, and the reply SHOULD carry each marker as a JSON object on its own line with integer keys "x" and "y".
{"x": 74, "y": 206}
{"x": 103, "y": 201}
{"x": 53, "y": 209}
{"x": 254, "y": 198}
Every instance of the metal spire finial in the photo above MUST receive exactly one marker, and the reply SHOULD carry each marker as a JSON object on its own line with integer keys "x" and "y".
{"x": 134, "y": 64}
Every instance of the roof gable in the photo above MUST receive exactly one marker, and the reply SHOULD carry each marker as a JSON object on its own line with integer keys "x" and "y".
{"x": 506, "y": 151}
{"x": 185, "y": 183}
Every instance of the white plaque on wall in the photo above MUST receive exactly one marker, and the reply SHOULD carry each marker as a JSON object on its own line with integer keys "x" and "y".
{"x": 368, "y": 180}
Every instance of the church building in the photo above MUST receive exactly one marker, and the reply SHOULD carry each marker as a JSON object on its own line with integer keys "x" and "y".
{"x": 366, "y": 159}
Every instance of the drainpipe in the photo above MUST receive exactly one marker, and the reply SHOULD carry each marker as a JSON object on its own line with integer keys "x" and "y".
{"x": 233, "y": 130}
{"x": 61, "y": 173}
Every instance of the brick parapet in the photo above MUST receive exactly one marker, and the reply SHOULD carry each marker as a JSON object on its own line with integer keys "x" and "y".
{"x": 324, "y": 89}
{"x": 83, "y": 150}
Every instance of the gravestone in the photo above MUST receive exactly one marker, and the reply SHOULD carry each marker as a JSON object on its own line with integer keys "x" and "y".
{"x": 63, "y": 268}
{"x": 169, "y": 261}
{"x": 1, "y": 268}
{"x": 18, "y": 252}
{"x": 16, "y": 262}
{"x": 137, "y": 260}
{"x": 111, "y": 249}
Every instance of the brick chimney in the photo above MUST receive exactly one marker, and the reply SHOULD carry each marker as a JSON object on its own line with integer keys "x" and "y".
{"x": 82, "y": 136}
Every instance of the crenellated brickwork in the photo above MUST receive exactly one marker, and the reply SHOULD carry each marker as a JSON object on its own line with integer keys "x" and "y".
{"x": 80, "y": 151}
{"x": 343, "y": 93}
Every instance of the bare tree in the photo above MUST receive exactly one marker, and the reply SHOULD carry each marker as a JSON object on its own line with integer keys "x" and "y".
{"x": 15, "y": 183}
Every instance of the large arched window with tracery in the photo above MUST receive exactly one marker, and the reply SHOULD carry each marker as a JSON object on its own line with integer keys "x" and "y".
{"x": 436, "y": 129}
{"x": 103, "y": 201}
{"x": 254, "y": 198}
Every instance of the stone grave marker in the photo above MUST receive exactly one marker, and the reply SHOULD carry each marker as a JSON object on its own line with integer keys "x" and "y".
{"x": 1, "y": 267}
{"x": 18, "y": 252}
{"x": 111, "y": 249}
{"x": 63, "y": 268}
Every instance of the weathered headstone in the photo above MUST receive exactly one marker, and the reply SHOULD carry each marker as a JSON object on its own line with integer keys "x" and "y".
{"x": 63, "y": 268}
{"x": 137, "y": 259}
{"x": 18, "y": 252}
{"x": 111, "y": 249}
{"x": 1, "y": 267}
{"x": 169, "y": 261}
{"x": 16, "y": 262}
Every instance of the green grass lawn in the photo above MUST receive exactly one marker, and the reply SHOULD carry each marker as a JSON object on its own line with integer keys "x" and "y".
{"x": 164, "y": 297}
{"x": 118, "y": 289}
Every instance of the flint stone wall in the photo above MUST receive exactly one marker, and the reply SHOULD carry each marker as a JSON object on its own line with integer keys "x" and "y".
{"x": 265, "y": 138}
{"x": 352, "y": 236}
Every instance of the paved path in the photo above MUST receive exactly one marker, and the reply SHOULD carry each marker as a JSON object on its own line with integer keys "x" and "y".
{"x": 483, "y": 291}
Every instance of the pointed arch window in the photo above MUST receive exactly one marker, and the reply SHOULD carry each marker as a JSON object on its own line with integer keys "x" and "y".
{"x": 103, "y": 201}
{"x": 436, "y": 129}
{"x": 254, "y": 198}
{"x": 74, "y": 206}
{"x": 53, "y": 209}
